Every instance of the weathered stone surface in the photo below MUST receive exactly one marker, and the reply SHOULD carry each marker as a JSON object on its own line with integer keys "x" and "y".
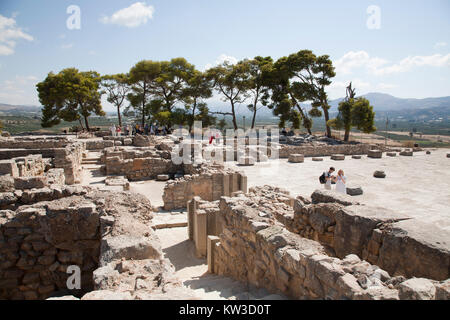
{"x": 246, "y": 161}
{"x": 6, "y": 183}
{"x": 129, "y": 247}
{"x": 354, "y": 190}
{"x": 23, "y": 183}
{"x": 338, "y": 157}
{"x": 326, "y": 196}
{"x": 317, "y": 159}
{"x": 296, "y": 158}
{"x": 406, "y": 153}
{"x": 417, "y": 289}
{"x": 391, "y": 154}
{"x": 356, "y": 157}
{"x": 107, "y": 295}
{"x": 162, "y": 177}
{"x": 379, "y": 174}
{"x": 376, "y": 154}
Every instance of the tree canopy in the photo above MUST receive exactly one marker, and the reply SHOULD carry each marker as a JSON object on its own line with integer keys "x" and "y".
{"x": 70, "y": 95}
{"x": 354, "y": 112}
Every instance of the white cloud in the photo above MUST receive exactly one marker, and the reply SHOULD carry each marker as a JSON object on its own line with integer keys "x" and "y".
{"x": 378, "y": 66}
{"x": 10, "y": 33}
{"x": 357, "y": 59}
{"x": 131, "y": 17}
{"x": 221, "y": 59}
{"x": 19, "y": 90}
{"x": 436, "y": 60}
{"x": 440, "y": 45}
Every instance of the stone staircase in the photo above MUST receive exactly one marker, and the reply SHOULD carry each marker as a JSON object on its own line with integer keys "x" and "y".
{"x": 91, "y": 161}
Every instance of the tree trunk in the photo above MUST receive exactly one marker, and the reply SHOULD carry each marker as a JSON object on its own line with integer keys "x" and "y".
{"x": 254, "y": 118}
{"x": 191, "y": 122}
{"x": 86, "y": 123}
{"x": 327, "y": 117}
{"x": 144, "y": 93}
{"x": 304, "y": 116}
{"x": 347, "y": 134}
{"x": 120, "y": 116}
{"x": 255, "y": 103}
{"x": 81, "y": 123}
{"x": 234, "y": 116}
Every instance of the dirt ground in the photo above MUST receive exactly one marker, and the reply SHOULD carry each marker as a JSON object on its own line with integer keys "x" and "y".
{"x": 418, "y": 186}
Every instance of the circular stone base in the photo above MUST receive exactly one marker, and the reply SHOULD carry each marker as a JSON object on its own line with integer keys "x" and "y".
{"x": 379, "y": 174}
{"x": 338, "y": 157}
{"x": 354, "y": 190}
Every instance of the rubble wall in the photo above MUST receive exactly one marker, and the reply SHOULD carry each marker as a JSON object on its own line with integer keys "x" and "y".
{"x": 39, "y": 242}
{"x": 254, "y": 248}
{"x": 66, "y": 155}
{"x": 324, "y": 150}
{"x": 209, "y": 186}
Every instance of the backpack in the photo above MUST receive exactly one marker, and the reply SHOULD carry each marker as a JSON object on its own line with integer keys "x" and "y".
{"x": 322, "y": 179}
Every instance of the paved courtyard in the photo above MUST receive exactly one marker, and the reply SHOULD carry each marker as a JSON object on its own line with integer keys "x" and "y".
{"x": 418, "y": 186}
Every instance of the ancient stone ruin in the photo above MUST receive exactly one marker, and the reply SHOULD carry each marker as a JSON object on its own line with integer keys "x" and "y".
{"x": 71, "y": 205}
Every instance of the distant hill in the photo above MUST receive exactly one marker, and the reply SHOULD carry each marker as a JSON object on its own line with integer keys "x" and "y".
{"x": 386, "y": 102}
{"x": 17, "y": 110}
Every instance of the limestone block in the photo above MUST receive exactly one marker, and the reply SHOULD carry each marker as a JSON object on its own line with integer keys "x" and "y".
{"x": 406, "y": 153}
{"x": 9, "y": 167}
{"x": 379, "y": 174}
{"x": 417, "y": 289}
{"x": 6, "y": 183}
{"x": 391, "y": 154}
{"x": 212, "y": 241}
{"x": 162, "y": 177}
{"x": 356, "y": 156}
{"x": 317, "y": 159}
{"x": 296, "y": 158}
{"x": 127, "y": 142}
{"x": 246, "y": 161}
{"x": 25, "y": 183}
{"x": 376, "y": 154}
{"x": 337, "y": 157}
{"x": 354, "y": 190}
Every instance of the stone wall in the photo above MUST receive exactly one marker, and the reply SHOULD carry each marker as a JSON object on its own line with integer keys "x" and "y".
{"x": 137, "y": 164}
{"x": 39, "y": 242}
{"x": 209, "y": 185}
{"x": 107, "y": 234}
{"x": 254, "y": 247}
{"x": 65, "y": 154}
{"x": 31, "y": 165}
{"x": 325, "y": 150}
{"x": 395, "y": 242}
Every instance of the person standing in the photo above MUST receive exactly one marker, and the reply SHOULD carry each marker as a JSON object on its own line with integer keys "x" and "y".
{"x": 340, "y": 182}
{"x": 328, "y": 178}
{"x": 113, "y": 130}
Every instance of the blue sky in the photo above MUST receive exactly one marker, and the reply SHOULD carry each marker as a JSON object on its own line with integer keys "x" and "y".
{"x": 408, "y": 56}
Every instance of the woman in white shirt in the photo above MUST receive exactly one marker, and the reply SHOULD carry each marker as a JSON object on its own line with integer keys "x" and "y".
{"x": 340, "y": 182}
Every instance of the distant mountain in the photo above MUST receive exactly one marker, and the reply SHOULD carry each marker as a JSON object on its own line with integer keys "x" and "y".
{"x": 17, "y": 110}
{"x": 384, "y": 105}
{"x": 386, "y": 102}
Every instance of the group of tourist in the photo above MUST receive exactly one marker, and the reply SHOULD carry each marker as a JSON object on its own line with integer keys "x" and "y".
{"x": 327, "y": 178}
{"x": 129, "y": 130}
